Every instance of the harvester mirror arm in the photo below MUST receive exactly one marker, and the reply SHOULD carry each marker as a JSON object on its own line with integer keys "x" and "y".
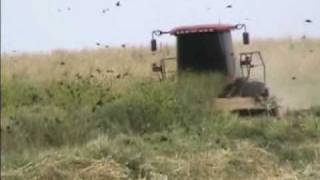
{"x": 154, "y": 41}
{"x": 241, "y": 26}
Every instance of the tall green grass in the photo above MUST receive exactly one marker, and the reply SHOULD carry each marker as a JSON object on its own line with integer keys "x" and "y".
{"x": 102, "y": 115}
{"x": 58, "y": 113}
{"x": 144, "y": 120}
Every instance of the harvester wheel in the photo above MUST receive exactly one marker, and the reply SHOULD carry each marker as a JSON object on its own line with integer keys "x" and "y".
{"x": 244, "y": 88}
{"x": 254, "y": 89}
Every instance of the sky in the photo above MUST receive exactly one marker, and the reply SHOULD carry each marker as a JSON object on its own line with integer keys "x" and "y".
{"x": 45, "y": 25}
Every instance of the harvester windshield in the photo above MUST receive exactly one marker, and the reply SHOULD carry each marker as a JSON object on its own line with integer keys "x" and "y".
{"x": 206, "y": 52}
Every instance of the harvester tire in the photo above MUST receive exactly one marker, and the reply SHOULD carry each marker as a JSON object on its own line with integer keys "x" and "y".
{"x": 254, "y": 89}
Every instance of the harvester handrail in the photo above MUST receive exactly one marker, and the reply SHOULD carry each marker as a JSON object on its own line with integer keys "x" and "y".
{"x": 168, "y": 58}
{"x": 251, "y": 53}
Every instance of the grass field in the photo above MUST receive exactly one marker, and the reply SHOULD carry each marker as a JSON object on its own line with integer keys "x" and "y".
{"x": 102, "y": 114}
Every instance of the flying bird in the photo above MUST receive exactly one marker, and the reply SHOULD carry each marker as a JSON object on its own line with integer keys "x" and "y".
{"x": 69, "y": 8}
{"x": 98, "y": 44}
{"x": 308, "y": 21}
{"x": 123, "y": 46}
{"x": 229, "y": 6}
{"x": 99, "y": 103}
{"x": 110, "y": 71}
{"x": 125, "y": 74}
{"x": 294, "y": 78}
{"x": 118, "y": 4}
{"x": 94, "y": 108}
{"x": 105, "y": 10}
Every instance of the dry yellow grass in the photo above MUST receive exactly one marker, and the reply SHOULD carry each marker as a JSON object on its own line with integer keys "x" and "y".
{"x": 55, "y": 167}
{"x": 246, "y": 160}
{"x": 286, "y": 59}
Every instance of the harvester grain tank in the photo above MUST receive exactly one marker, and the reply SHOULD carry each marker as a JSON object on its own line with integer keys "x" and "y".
{"x": 209, "y": 48}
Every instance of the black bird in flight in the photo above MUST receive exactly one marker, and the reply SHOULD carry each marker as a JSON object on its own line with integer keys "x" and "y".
{"x": 105, "y": 10}
{"x": 308, "y": 21}
{"x": 110, "y": 71}
{"x": 229, "y": 6}
{"x": 118, "y": 4}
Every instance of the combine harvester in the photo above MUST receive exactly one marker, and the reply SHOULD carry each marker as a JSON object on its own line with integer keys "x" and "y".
{"x": 208, "y": 48}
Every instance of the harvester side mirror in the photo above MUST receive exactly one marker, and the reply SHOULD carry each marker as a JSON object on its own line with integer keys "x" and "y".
{"x": 153, "y": 45}
{"x": 246, "y": 38}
